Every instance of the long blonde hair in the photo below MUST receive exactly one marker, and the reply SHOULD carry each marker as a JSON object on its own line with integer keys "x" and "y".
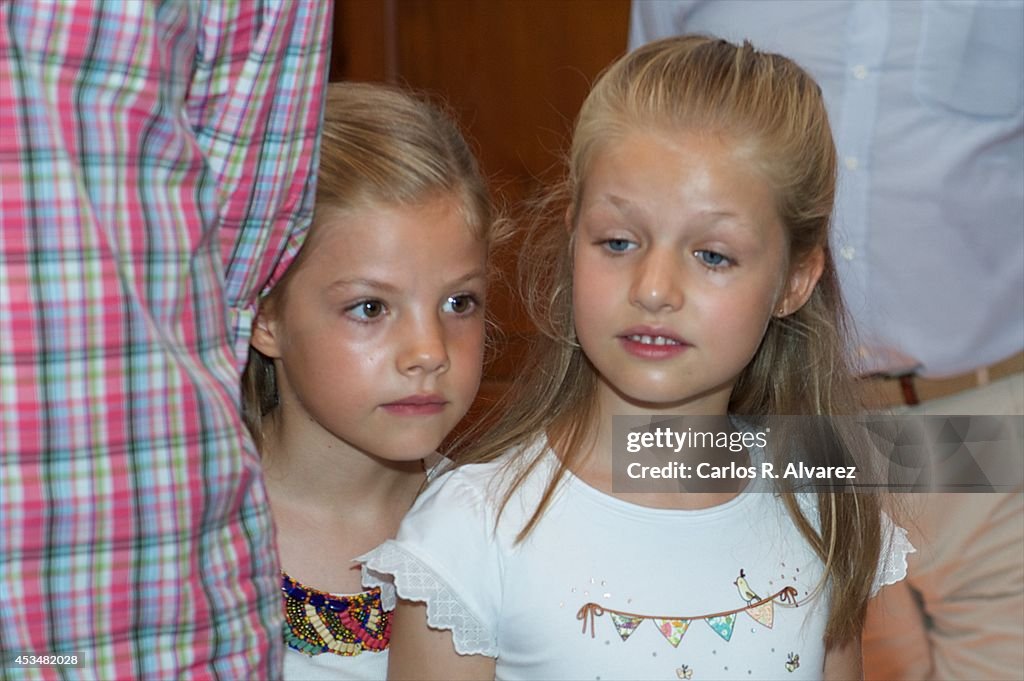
{"x": 773, "y": 112}
{"x": 381, "y": 145}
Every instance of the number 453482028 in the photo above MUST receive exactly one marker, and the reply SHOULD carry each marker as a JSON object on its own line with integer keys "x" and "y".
{"x": 42, "y": 660}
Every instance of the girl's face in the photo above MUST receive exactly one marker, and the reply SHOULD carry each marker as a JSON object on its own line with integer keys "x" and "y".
{"x": 379, "y": 338}
{"x": 680, "y": 261}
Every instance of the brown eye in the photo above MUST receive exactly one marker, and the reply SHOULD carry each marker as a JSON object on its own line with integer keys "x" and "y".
{"x": 372, "y": 308}
{"x": 460, "y": 304}
{"x": 367, "y": 310}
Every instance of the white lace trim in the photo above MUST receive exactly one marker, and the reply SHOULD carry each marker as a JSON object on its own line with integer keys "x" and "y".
{"x": 392, "y": 568}
{"x": 896, "y": 546}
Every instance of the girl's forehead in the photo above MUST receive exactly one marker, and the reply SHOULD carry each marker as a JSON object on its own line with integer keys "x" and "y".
{"x": 685, "y": 143}
{"x": 397, "y": 232}
{"x": 683, "y": 180}
{"x": 674, "y": 135}
{"x": 672, "y": 158}
{"x": 333, "y": 216}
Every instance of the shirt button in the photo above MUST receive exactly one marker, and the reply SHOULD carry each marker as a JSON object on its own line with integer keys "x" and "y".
{"x": 860, "y": 72}
{"x": 851, "y": 162}
{"x": 847, "y": 252}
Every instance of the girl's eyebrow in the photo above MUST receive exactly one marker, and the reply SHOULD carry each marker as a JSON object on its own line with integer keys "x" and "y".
{"x": 364, "y": 283}
{"x": 612, "y": 202}
{"x": 478, "y": 273}
{"x": 714, "y": 218}
{"x": 622, "y": 204}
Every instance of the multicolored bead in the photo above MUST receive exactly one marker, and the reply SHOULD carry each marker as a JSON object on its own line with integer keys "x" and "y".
{"x": 317, "y": 622}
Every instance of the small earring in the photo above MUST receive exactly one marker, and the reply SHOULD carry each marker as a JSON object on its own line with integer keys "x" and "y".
{"x": 781, "y": 312}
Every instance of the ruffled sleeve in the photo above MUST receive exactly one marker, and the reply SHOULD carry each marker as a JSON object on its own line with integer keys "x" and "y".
{"x": 896, "y": 546}
{"x": 446, "y": 555}
{"x": 892, "y": 562}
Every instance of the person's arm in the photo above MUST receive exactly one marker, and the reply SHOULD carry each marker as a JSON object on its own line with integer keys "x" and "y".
{"x": 255, "y": 105}
{"x": 844, "y": 663}
{"x": 420, "y": 652}
{"x": 961, "y": 606}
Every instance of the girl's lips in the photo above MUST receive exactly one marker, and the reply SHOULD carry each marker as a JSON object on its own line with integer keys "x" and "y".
{"x": 655, "y": 339}
{"x": 416, "y": 405}
{"x": 648, "y": 343}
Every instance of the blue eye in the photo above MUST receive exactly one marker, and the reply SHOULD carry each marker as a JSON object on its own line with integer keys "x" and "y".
{"x": 461, "y": 304}
{"x": 366, "y": 310}
{"x": 712, "y": 259}
{"x": 618, "y": 245}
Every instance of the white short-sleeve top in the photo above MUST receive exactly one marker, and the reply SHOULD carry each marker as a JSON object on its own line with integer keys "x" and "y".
{"x": 605, "y": 589}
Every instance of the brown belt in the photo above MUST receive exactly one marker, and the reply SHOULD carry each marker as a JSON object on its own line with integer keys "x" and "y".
{"x": 881, "y": 392}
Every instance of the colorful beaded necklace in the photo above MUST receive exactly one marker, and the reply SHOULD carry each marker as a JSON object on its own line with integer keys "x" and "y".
{"x": 318, "y": 622}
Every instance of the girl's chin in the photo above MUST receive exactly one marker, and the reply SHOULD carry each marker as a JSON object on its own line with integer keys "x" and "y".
{"x": 658, "y": 398}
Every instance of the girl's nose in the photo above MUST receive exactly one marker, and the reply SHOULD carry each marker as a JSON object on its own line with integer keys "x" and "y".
{"x": 424, "y": 349}
{"x": 657, "y": 283}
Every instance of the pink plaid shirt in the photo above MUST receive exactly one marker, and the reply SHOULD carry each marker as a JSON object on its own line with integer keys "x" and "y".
{"x": 156, "y": 173}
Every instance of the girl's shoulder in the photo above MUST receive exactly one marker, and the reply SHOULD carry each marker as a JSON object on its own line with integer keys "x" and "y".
{"x": 494, "y": 476}
{"x": 896, "y": 545}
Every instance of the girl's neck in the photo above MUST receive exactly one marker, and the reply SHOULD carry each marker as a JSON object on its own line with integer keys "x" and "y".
{"x": 610, "y": 403}
{"x": 595, "y": 463}
{"x": 314, "y": 468}
{"x": 331, "y": 503}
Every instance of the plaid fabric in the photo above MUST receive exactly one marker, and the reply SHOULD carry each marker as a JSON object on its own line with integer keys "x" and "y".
{"x": 155, "y": 175}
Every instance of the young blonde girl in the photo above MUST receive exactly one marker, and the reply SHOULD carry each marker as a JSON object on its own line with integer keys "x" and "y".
{"x": 689, "y": 275}
{"x": 364, "y": 357}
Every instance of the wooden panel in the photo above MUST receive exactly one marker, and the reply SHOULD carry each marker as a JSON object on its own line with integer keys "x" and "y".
{"x": 364, "y": 40}
{"x": 515, "y": 70}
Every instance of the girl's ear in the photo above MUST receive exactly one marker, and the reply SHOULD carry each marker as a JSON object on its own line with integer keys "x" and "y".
{"x": 265, "y": 334}
{"x": 803, "y": 277}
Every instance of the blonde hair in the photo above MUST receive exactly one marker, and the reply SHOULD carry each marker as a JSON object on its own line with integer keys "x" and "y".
{"x": 380, "y": 145}
{"x": 774, "y": 115}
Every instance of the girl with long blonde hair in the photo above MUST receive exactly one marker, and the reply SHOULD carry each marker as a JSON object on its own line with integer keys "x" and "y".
{"x": 687, "y": 274}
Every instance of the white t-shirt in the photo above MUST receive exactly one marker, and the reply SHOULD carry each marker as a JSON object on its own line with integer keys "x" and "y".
{"x": 605, "y": 589}
{"x": 367, "y": 666}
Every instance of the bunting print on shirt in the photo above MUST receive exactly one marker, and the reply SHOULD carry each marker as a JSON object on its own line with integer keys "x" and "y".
{"x": 674, "y": 627}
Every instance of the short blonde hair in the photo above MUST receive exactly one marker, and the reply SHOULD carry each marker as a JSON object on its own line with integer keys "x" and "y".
{"x": 381, "y": 145}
